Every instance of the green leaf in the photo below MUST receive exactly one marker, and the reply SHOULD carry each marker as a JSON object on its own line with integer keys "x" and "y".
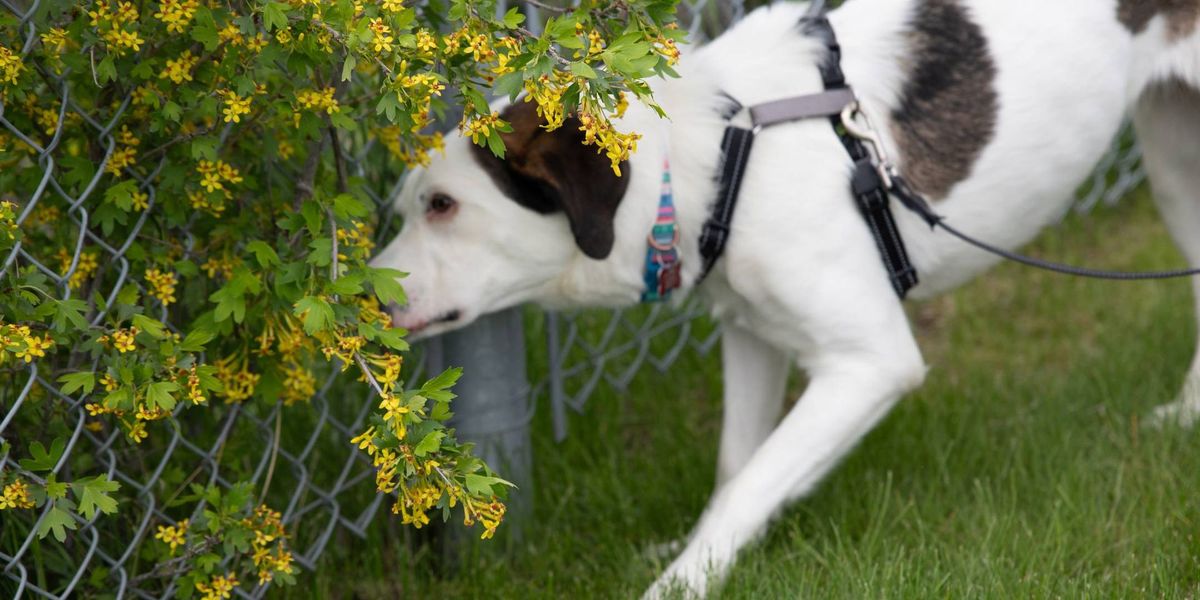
{"x": 152, "y": 327}
{"x": 172, "y": 111}
{"x": 55, "y": 489}
{"x": 481, "y": 485}
{"x": 311, "y": 211}
{"x": 582, "y": 69}
{"x": 430, "y": 443}
{"x": 349, "y": 284}
{"x": 322, "y": 252}
{"x": 73, "y": 382}
{"x": 41, "y": 459}
{"x": 204, "y": 148}
{"x": 347, "y": 206}
{"x": 392, "y": 337}
{"x": 275, "y": 15}
{"x": 316, "y": 313}
{"x": 513, "y": 18}
{"x": 159, "y": 394}
{"x": 342, "y": 120}
{"x": 195, "y": 341}
{"x": 444, "y": 381}
{"x": 57, "y": 521}
{"x": 263, "y": 253}
{"x": 205, "y": 29}
{"x": 348, "y": 67}
{"x": 386, "y": 286}
{"x": 70, "y": 312}
{"x": 106, "y": 71}
{"x": 121, "y": 194}
{"x": 94, "y": 495}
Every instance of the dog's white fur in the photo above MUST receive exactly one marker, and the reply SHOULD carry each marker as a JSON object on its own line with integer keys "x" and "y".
{"x": 801, "y": 281}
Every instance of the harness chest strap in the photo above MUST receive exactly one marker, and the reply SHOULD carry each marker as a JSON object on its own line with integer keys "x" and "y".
{"x": 870, "y": 192}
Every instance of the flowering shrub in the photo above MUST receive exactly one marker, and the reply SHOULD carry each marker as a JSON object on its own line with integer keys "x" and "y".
{"x": 244, "y": 276}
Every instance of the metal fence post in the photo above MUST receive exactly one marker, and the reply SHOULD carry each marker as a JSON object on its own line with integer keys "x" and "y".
{"x": 493, "y": 408}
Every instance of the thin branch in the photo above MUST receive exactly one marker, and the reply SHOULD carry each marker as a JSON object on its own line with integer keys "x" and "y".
{"x": 548, "y": 7}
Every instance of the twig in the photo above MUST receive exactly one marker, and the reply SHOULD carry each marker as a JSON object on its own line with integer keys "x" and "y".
{"x": 338, "y": 160}
{"x": 274, "y": 454}
{"x": 304, "y": 186}
{"x": 549, "y": 7}
{"x": 170, "y": 567}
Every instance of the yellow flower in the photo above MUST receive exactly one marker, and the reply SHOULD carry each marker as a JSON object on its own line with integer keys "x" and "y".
{"x": 35, "y": 347}
{"x": 137, "y": 432}
{"x": 381, "y": 35}
{"x": 174, "y": 536}
{"x": 595, "y": 42}
{"x": 318, "y": 100}
{"x": 235, "y": 106}
{"x": 121, "y": 158}
{"x": 479, "y": 48}
{"x": 364, "y": 440}
{"x": 55, "y": 40}
{"x": 426, "y": 43}
{"x": 219, "y": 588}
{"x": 195, "y": 393}
{"x": 16, "y": 495}
{"x": 177, "y": 14}
{"x": 141, "y": 200}
{"x": 480, "y": 128}
{"x": 257, "y": 43}
{"x": 393, "y": 5}
{"x": 123, "y": 339}
{"x": 179, "y": 70}
{"x": 238, "y": 382}
{"x": 231, "y": 34}
{"x": 299, "y": 384}
{"x": 150, "y": 414}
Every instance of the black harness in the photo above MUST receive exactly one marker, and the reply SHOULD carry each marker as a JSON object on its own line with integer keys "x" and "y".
{"x": 874, "y": 180}
{"x": 870, "y": 193}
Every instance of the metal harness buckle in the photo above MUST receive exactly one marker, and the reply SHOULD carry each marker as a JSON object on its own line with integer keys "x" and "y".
{"x": 864, "y": 131}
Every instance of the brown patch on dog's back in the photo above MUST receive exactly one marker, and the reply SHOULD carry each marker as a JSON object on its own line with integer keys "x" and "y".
{"x": 551, "y": 171}
{"x": 1182, "y": 16}
{"x": 948, "y": 107}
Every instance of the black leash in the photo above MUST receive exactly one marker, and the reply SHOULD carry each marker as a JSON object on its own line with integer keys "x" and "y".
{"x": 914, "y": 202}
{"x": 874, "y": 180}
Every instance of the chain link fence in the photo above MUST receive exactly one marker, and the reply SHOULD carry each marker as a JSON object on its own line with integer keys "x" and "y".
{"x": 325, "y": 486}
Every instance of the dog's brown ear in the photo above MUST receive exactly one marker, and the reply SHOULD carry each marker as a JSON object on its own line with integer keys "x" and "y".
{"x": 549, "y": 171}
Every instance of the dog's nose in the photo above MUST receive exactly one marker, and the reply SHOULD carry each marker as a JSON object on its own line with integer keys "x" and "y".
{"x": 397, "y": 312}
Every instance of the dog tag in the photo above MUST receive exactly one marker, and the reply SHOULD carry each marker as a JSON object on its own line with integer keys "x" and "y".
{"x": 669, "y": 278}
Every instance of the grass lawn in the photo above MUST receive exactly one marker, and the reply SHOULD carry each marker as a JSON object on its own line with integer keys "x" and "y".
{"x": 1018, "y": 470}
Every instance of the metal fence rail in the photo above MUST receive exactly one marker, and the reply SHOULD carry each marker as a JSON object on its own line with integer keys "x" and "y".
{"x": 326, "y": 486}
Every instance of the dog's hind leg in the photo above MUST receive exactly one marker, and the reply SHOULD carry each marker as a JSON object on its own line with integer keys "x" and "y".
{"x": 1168, "y": 128}
{"x": 755, "y": 377}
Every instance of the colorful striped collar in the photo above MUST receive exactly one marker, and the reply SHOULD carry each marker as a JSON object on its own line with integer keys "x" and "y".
{"x": 662, "y": 252}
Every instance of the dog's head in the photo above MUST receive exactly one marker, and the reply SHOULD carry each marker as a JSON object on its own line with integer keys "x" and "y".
{"x": 483, "y": 233}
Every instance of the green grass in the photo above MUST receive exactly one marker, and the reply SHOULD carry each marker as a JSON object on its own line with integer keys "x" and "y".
{"x": 1018, "y": 470}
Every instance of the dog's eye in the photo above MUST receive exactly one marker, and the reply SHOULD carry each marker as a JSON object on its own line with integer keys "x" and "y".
{"x": 440, "y": 204}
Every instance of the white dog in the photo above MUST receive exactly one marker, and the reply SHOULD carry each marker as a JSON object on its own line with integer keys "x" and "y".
{"x": 994, "y": 110}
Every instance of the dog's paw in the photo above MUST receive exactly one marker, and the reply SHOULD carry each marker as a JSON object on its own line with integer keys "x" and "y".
{"x": 677, "y": 585}
{"x": 1184, "y": 412}
{"x": 686, "y": 578}
{"x": 664, "y": 551}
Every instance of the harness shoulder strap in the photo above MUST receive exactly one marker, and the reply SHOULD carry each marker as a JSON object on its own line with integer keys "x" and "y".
{"x": 869, "y": 191}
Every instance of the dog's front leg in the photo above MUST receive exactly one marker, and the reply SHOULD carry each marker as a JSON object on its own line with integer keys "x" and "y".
{"x": 848, "y": 393}
{"x": 755, "y": 375}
